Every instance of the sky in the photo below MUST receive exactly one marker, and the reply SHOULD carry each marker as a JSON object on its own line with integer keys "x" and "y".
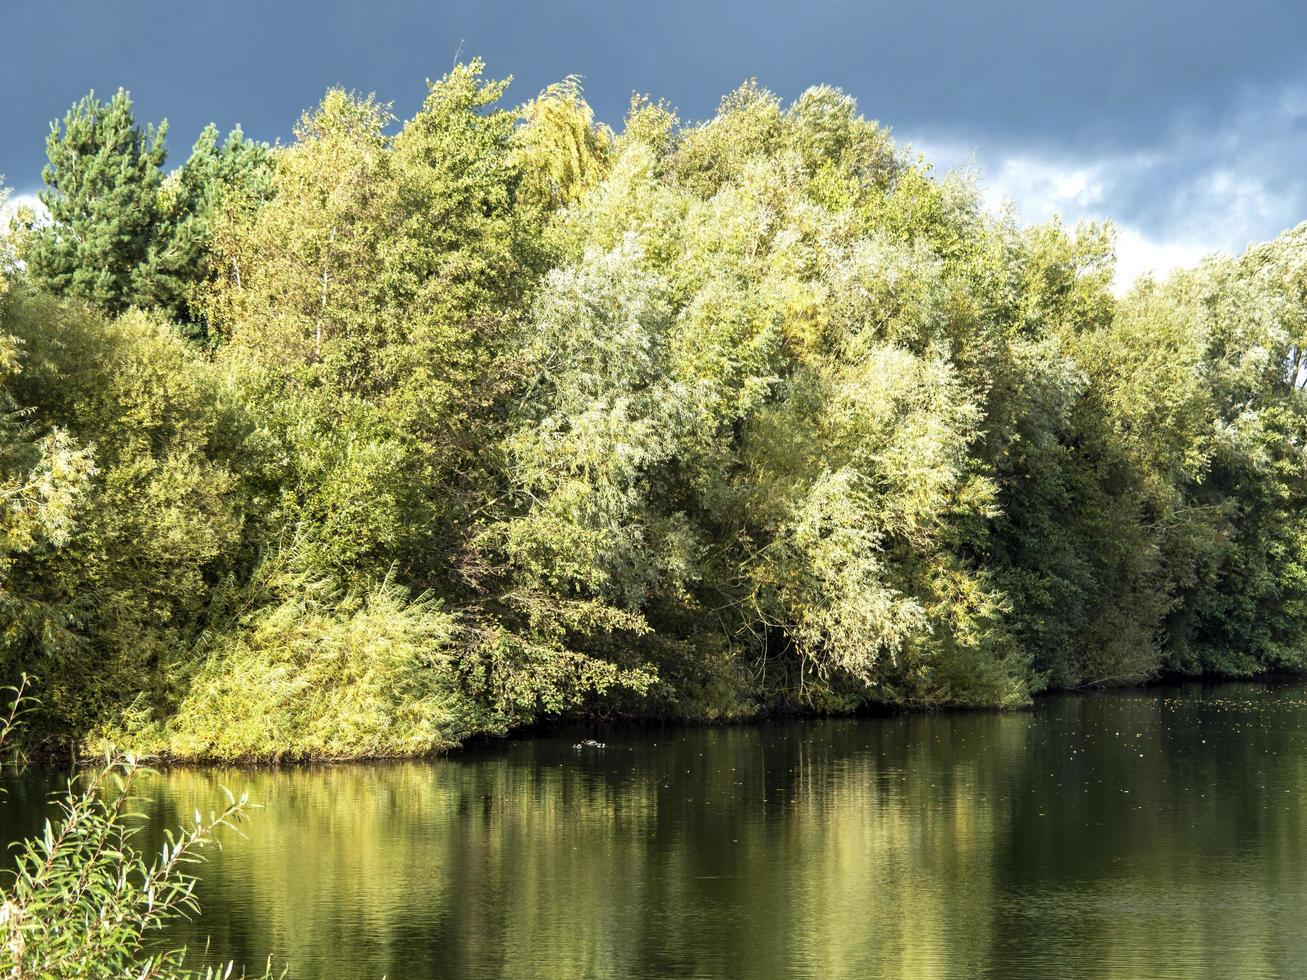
{"x": 1184, "y": 121}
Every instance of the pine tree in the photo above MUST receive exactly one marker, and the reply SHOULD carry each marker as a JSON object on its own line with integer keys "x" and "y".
{"x": 102, "y": 191}
{"x": 219, "y": 178}
{"x": 123, "y": 234}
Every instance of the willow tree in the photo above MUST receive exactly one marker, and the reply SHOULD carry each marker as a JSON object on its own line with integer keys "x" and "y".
{"x": 742, "y": 432}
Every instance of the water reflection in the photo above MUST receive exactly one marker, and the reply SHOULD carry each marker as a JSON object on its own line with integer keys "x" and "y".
{"x": 1155, "y": 834}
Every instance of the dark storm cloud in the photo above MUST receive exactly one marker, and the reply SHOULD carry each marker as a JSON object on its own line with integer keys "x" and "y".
{"x": 1073, "y": 82}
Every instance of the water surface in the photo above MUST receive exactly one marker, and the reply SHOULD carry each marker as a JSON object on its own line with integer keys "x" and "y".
{"x": 1158, "y": 833}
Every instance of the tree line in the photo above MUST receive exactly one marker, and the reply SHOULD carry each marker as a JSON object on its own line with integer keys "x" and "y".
{"x": 399, "y": 433}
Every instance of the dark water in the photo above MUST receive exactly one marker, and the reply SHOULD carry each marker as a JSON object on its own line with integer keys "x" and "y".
{"x": 1141, "y": 834}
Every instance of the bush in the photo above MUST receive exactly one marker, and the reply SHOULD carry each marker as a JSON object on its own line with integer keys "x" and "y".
{"x": 312, "y": 671}
{"x": 82, "y": 901}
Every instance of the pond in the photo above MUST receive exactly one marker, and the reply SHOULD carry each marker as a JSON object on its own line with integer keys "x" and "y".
{"x": 1153, "y": 833}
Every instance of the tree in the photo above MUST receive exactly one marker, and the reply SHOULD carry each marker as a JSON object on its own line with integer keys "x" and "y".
{"x": 234, "y": 176}
{"x": 506, "y": 415}
{"x": 121, "y": 234}
{"x": 124, "y": 471}
{"x": 102, "y": 191}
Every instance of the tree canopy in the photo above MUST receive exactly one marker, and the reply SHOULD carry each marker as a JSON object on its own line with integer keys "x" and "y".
{"x": 402, "y": 432}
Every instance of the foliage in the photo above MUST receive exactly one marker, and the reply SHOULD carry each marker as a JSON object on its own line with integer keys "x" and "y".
{"x": 123, "y": 508}
{"x": 102, "y": 191}
{"x": 502, "y": 414}
{"x": 81, "y": 900}
{"x": 306, "y": 671}
{"x": 121, "y": 233}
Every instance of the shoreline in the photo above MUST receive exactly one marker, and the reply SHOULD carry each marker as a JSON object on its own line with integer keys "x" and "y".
{"x": 485, "y": 742}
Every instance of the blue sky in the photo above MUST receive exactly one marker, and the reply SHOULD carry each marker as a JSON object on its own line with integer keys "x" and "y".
{"x": 1183, "y": 120}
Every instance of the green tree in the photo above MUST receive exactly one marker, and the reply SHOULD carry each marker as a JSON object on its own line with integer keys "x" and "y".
{"x": 123, "y": 234}
{"x": 217, "y": 179}
{"x": 508, "y": 415}
{"x": 102, "y": 191}
{"x": 125, "y": 503}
